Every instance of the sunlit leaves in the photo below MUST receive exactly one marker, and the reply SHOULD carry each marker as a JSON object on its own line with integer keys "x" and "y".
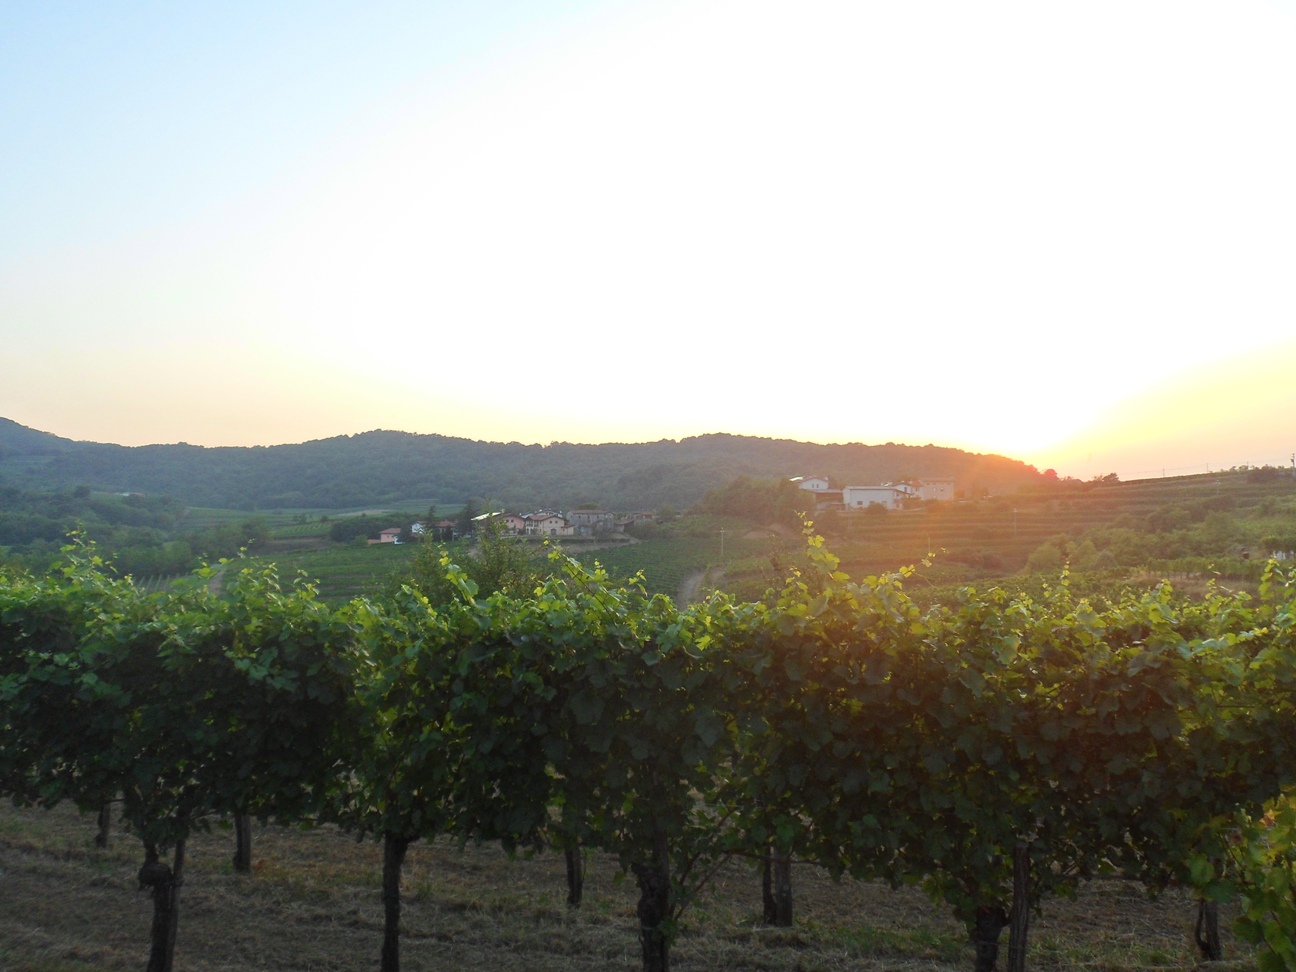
{"x": 839, "y": 721}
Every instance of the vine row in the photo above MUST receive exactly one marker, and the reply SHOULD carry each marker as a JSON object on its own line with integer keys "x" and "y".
{"x": 998, "y": 749}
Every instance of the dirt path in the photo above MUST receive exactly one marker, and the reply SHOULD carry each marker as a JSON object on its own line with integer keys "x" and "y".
{"x": 689, "y": 587}
{"x": 697, "y": 584}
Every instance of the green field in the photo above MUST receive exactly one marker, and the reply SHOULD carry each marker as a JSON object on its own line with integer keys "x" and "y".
{"x": 1006, "y": 529}
{"x": 1195, "y": 526}
{"x": 302, "y": 530}
{"x": 694, "y": 545}
{"x": 341, "y": 572}
{"x": 344, "y": 570}
{"x": 1191, "y": 528}
{"x": 1188, "y": 529}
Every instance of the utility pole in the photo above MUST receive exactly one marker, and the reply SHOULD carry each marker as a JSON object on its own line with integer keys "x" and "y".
{"x": 722, "y": 546}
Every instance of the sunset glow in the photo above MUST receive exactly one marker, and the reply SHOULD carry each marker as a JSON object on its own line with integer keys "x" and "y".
{"x": 1059, "y": 232}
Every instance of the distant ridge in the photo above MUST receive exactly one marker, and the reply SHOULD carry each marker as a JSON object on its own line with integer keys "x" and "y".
{"x": 392, "y": 467}
{"x": 20, "y": 441}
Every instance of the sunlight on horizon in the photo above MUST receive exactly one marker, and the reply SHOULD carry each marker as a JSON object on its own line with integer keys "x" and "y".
{"x": 1238, "y": 411}
{"x": 990, "y": 227}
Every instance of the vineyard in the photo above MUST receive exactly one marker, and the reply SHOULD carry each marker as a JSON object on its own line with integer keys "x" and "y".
{"x": 997, "y": 750}
{"x": 667, "y": 562}
{"x": 1240, "y": 512}
{"x": 312, "y": 902}
{"x": 342, "y": 572}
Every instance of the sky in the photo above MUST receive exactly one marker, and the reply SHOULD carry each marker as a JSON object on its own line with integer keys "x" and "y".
{"x": 1059, "y": 231}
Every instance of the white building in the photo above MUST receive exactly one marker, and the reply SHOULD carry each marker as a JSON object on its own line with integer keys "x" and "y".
{"x": 936, "y": 489}
{"x": 811, "y": 482}
{"x": 587, "y": 523}
{"x": 861, "y": 497}
{"x": 509, "y": 523}
{"x": 544, "y": 523}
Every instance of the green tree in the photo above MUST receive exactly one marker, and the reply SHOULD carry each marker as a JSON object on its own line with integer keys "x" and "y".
{"x": 498, "y": 562}
{"x": 464, "y": 520}
{"x": 348, "y": 529}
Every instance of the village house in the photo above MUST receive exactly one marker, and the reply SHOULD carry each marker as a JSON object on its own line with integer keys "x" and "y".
{"x": 630, "y": 519}
{"x": 820, "y": 489}
{"x": 887, "y": 495}
{"x": 862, "y": 497}
{"x": 442, "y": 530}
{"x": 813, "y": 483}
{"x": 539, "y": 523}
{"x": 936, "y": 489}
{"x": 509, "y": 524}
{"x": 546, "y": 523}
{"x": 588, "y": 523}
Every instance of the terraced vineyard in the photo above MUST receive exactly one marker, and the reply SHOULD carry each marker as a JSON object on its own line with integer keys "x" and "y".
{"x": 1001, "y": 532}
{"x": 1222, "y": 525}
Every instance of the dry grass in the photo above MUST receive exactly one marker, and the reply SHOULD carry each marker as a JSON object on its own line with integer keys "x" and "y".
{"x": 313, "y": 904}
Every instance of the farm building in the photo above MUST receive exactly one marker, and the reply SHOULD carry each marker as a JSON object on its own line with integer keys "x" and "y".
{"x": 587, "y": 523}
{"x": 813, "y": 483}
{"x": 545, "y": 523}
{"x": 861, "y": 497}
{"x": 936, "y": 489}
{"x": 509, "y": 523}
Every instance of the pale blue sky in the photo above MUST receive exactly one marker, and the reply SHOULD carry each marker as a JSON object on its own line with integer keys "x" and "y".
{"x": 999, "y": 226}
{"x": 120, "y": 117}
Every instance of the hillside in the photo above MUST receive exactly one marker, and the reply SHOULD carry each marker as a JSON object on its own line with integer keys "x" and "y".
{"x": 1220, "y": 524}
{"x": 1239, "y": 514}
{"x": 385, "y": 467}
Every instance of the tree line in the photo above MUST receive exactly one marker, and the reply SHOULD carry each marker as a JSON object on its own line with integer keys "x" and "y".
{"x": 997, "y": 748}
{"x": 146, "y": 534}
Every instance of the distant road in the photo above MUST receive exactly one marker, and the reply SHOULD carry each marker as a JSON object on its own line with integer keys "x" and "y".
{"x": 693, "y": 584}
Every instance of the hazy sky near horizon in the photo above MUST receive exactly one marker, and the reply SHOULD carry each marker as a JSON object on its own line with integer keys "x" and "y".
{"x": 1061, "y": 231}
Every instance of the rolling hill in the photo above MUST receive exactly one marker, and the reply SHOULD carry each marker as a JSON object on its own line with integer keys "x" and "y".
{"x": 386, "y": 466}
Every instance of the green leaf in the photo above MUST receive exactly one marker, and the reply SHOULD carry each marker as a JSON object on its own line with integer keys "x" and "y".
{"x": 1200, "y": 870}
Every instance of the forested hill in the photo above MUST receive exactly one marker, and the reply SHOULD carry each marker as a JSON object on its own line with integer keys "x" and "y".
{"x": 384, "y": 467}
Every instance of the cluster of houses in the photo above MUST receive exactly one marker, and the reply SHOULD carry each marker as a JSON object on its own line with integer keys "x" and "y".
{"x": 596, "y": 523}
{"x": 573, "y": 523}
{"x": 539, "y": 523}
{"x": 889, "y": 495}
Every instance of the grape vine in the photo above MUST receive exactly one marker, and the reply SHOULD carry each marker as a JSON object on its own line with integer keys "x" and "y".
{"x": 996, "y": 748}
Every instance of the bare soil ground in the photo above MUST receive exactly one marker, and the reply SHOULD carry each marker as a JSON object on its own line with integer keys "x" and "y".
{"x": 313, "y": 903}
{"x": 693, "y": 586}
